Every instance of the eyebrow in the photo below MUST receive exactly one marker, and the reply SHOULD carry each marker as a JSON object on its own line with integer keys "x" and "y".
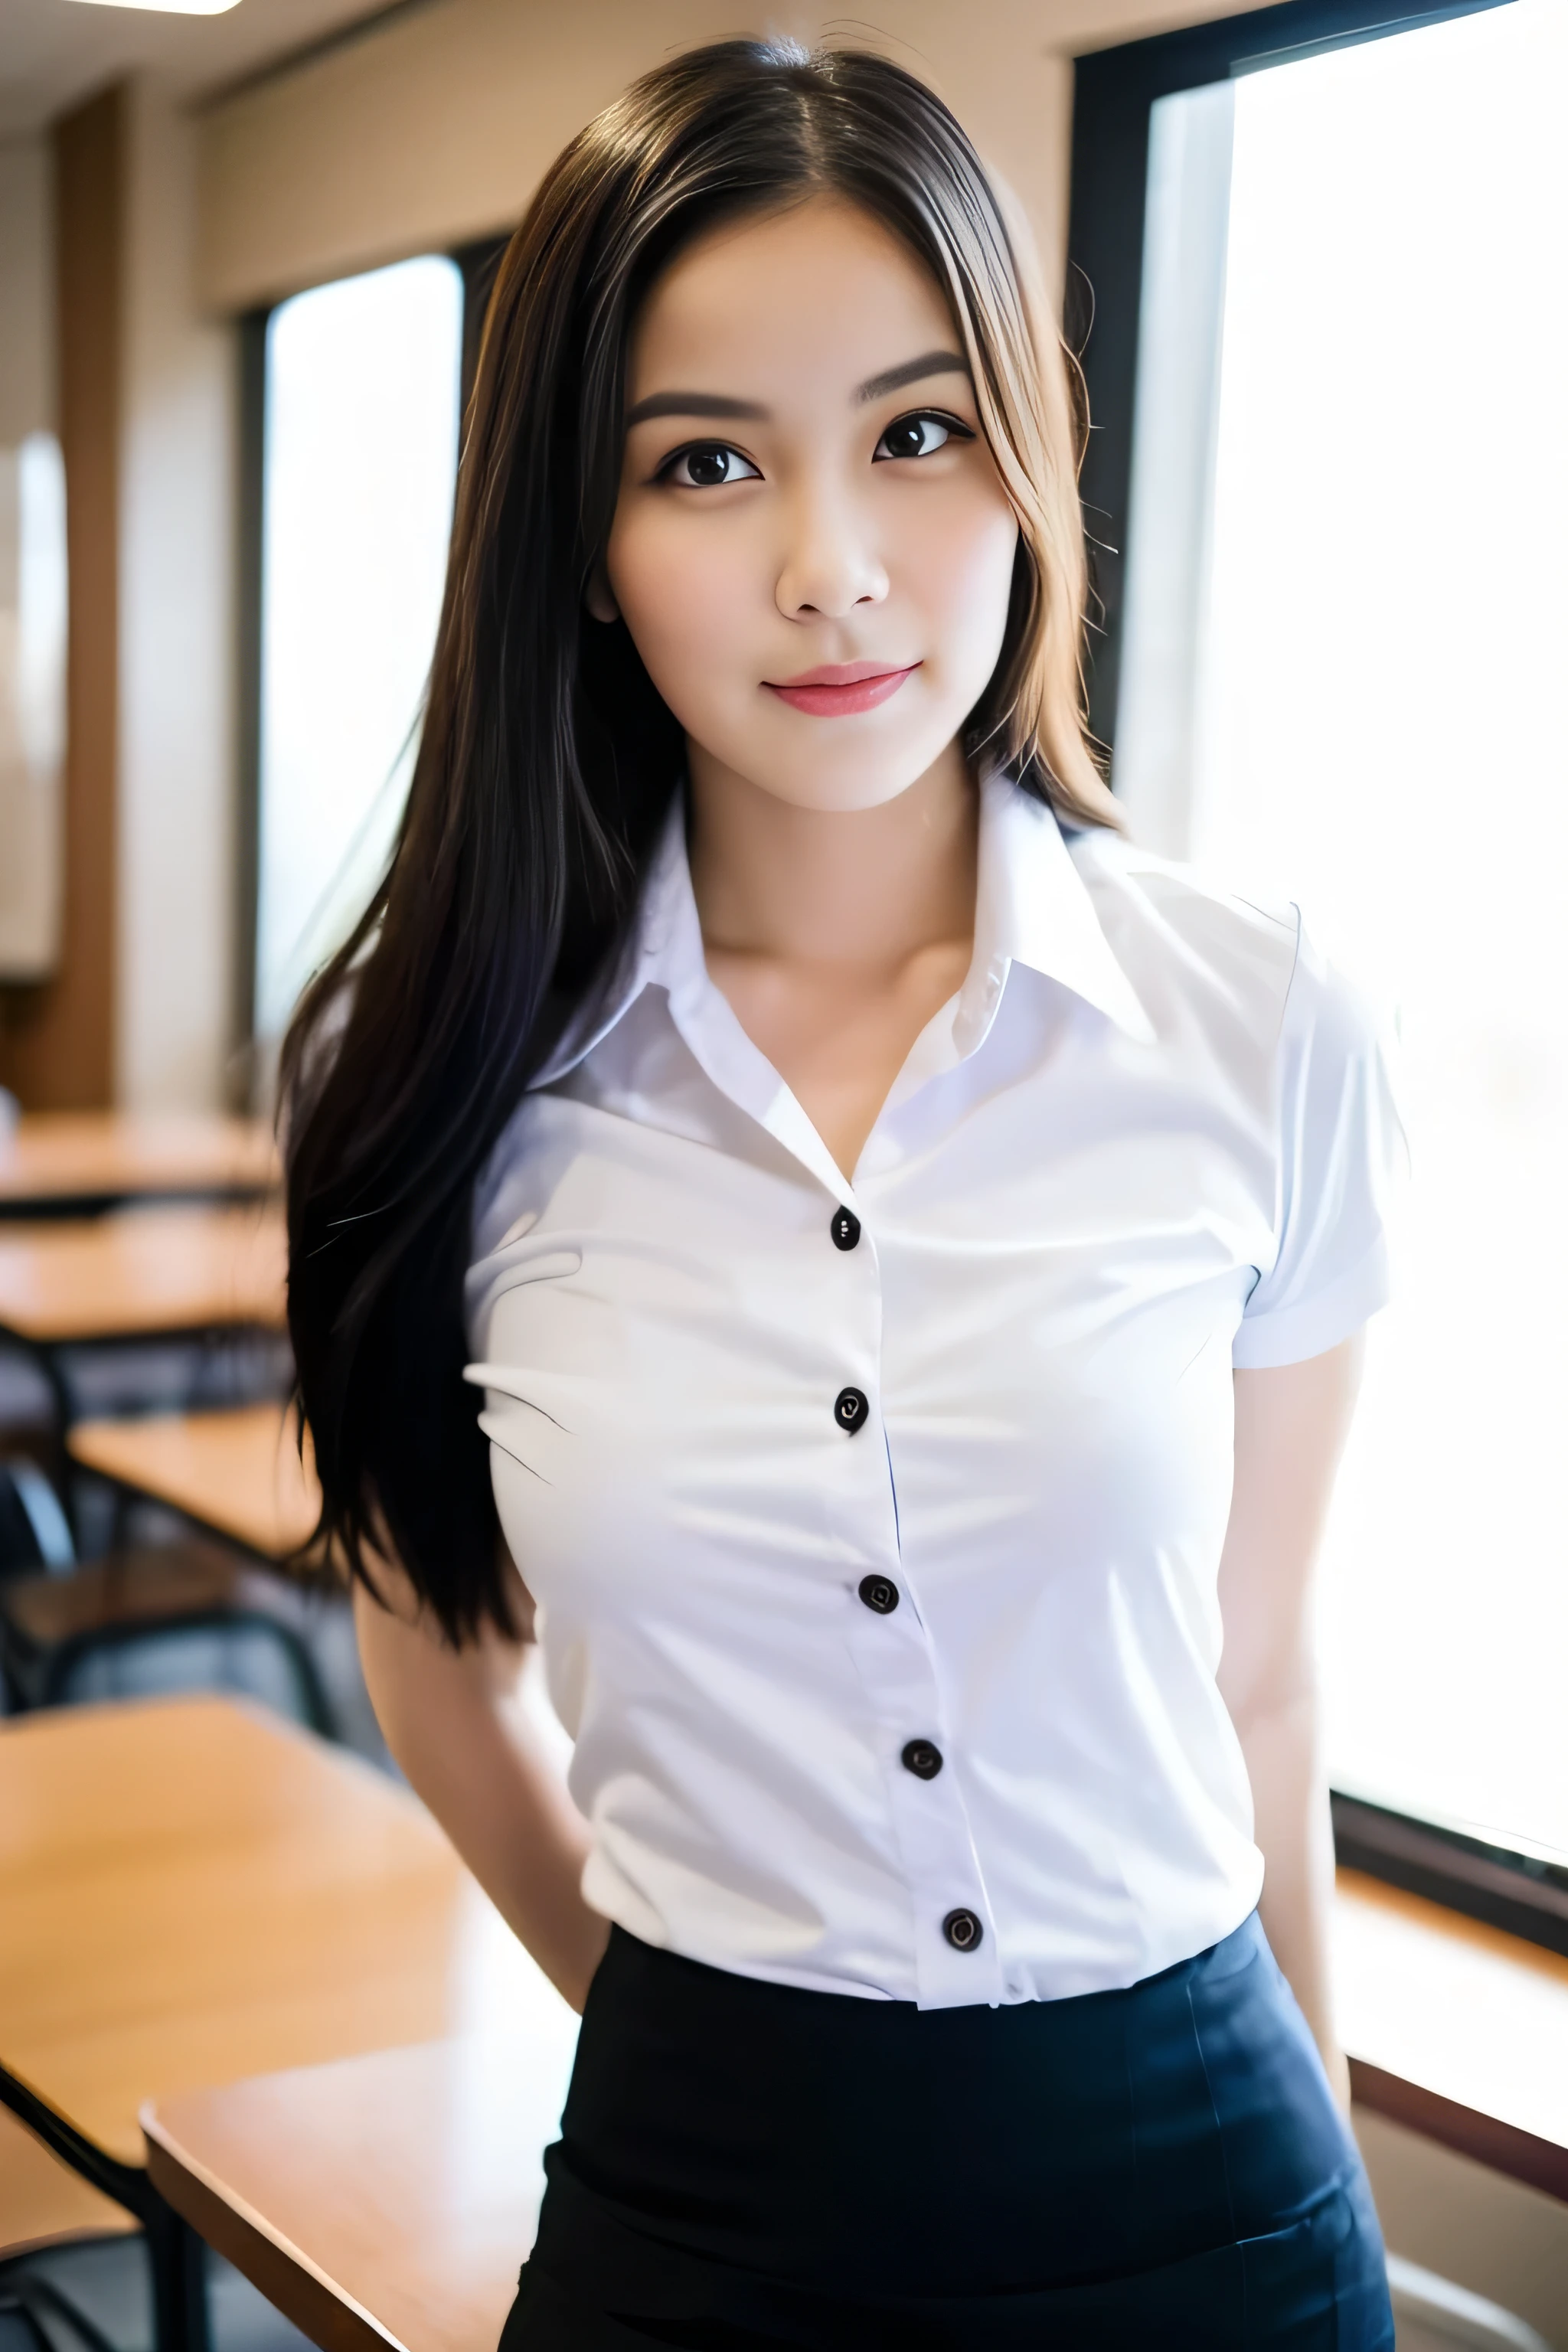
{"x": 692, "y": 403}
{"x": 725, "y": 404}
{"x": 894, "y": 379}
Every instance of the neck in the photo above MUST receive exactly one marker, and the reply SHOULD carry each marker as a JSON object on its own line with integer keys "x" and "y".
{"x": 867, "y": 887}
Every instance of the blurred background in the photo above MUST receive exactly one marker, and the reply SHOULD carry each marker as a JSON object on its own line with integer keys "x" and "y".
{"x": 1313, "y": 258}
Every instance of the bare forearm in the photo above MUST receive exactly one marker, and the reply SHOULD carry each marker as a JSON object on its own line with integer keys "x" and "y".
{"x": 463, "y": 1738}
{"x": 1290, "y": 1426}
{"x": 1291, "y": 1805}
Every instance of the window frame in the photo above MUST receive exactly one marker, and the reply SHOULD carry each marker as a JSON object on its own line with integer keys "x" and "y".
{"x": 1524, "y": 1893}
{"x": 476, "y": 263}
{"x": 1114, "y": 90}
{"x": 1113, "y": 93}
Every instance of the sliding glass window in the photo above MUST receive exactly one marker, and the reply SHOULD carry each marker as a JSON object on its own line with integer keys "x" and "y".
{"x": 359, "y": 416}
{"x": 1334, "y": 373}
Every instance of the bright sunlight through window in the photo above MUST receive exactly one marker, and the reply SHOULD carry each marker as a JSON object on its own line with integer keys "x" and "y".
{"x": 360, "y": 463}
{"x": 1377, "y": 730}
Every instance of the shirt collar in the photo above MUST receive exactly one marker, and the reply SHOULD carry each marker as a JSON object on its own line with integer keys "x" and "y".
{"x": 1032, "y": 906}
{"x": 664, "y": 936}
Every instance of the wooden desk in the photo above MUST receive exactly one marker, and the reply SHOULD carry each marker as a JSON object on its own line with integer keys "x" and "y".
{"x": 41, "y": 2202}
{"x": 137, "y": 1274}
{"x": 80, "y": 1162}
{"x": 129, "y": 1588}
{"x": 236, "y": 1473}
{"x": 388, "y": 2199}
{"x": 141, "y": 1273}
{"x": 1455, "y": 2030}
{"x": 194, "y": 1892}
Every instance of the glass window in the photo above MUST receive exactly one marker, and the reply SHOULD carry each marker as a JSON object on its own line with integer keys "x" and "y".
{"x": 359, "y": 465}
{"x": 32, "y": 705}
{"x": 1343, "y": 683}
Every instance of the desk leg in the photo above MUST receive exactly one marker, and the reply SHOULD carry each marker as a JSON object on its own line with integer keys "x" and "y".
{"x": 178, "y": 2262}
{"x": 175, "y": 2255}
{"x": 45, "y": 1359}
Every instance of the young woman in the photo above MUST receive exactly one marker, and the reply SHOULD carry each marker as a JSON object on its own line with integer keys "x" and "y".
{"x": 911, "y": 1247}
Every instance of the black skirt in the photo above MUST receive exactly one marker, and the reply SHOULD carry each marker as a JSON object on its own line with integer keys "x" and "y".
{"x": 743, "y": 2165}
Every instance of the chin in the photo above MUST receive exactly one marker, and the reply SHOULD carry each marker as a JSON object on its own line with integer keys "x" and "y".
{"x": 848, "y": 795}
{"x": 843, "y": 777}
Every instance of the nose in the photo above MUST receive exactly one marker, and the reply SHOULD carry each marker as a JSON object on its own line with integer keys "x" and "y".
{"x": 830, "y": 562}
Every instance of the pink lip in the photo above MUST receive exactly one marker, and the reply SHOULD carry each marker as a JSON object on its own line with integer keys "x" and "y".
{"x": 838, "y": 690}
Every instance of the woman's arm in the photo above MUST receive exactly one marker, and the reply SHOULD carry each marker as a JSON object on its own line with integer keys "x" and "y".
{"x": 1290, "y": 1427}
{"x": 454, "y": 1721}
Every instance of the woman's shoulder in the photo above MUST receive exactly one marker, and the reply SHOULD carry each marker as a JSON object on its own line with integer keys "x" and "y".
{"x": 1207, "y": 954}
{"x": 1187, "y": 936}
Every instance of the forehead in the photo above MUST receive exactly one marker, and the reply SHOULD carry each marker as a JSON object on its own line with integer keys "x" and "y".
{"x": 810, "y": 301}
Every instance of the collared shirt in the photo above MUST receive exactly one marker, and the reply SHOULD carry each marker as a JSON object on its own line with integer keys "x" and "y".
{"x": 874, "y": 1524}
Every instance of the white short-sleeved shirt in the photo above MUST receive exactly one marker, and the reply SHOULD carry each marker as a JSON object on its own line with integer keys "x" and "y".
{"x": 807, "y": 1499}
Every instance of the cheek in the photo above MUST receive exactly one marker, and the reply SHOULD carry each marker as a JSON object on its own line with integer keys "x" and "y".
{"x": 683, "y": 595}
{"x": 957, "y": 565}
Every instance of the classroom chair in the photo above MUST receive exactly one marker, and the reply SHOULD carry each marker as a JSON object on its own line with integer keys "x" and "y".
{"x": 137, "y": 1623}
{"x": 19, "y": 2331}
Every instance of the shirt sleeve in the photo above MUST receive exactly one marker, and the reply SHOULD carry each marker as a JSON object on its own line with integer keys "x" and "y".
{"x": 1341, "y": 1158}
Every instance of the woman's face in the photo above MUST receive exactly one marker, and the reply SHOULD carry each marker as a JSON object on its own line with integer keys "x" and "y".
{"x": 811, "y": 547}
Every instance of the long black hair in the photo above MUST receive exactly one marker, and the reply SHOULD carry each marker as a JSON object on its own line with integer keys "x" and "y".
{"x": 547, "y": 760}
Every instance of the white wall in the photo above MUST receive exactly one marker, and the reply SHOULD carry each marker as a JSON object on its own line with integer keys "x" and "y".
{"x": 174, "y": 995}
{"x": 437, "y": 126}
{"x": 1475, "y": 2227}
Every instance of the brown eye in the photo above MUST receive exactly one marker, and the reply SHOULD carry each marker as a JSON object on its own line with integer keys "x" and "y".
{"x": 707, "y": 464}
{"x": 921, "y": 435}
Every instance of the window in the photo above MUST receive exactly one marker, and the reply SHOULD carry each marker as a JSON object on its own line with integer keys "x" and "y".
{"x": 32, "y": 705}
{"x": 1330, "y": 374}
{"x": 360, "y": 417}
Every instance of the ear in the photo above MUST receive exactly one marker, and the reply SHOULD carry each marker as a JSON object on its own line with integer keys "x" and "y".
{"x": 596, "y": 596}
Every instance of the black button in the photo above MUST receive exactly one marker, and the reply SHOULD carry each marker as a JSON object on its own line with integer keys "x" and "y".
{"x": 844, "y": 1229}
{"x": 880, "y": 1593}
{"x": 921, "y": 1758}
{"x": 851, "y": 1408}
{"x": 964, "y": 1931}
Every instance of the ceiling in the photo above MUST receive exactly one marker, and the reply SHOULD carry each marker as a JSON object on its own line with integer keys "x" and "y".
{"x": 53, "y": 53}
